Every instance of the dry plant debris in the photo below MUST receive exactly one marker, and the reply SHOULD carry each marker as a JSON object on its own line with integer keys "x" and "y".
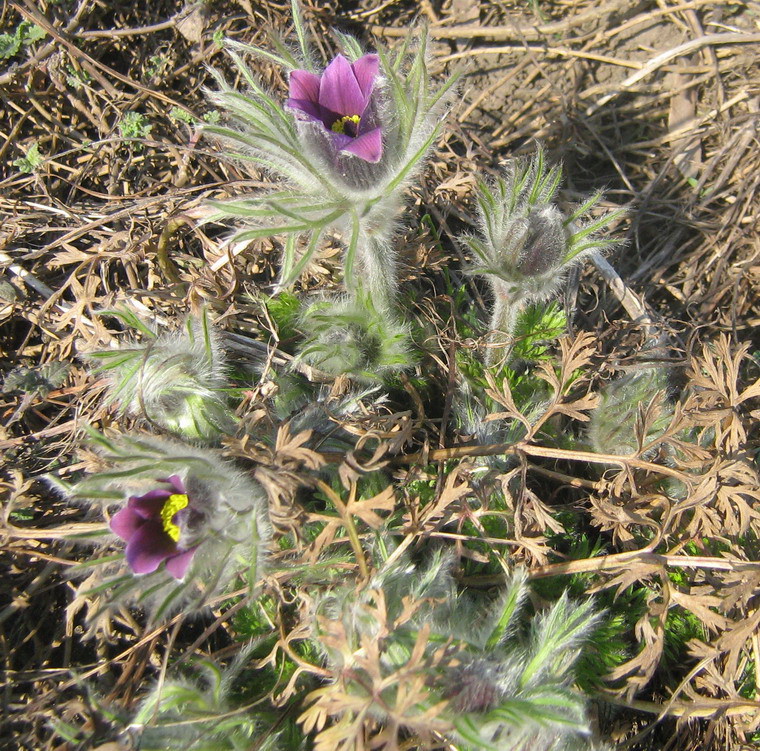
{"x": 374, "y": 486}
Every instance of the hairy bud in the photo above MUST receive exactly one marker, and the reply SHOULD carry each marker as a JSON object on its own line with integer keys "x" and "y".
{"x": 173, "y": 380}
{"x": 545, "y": 242}
{"x": 526, "y": 245}
{"x": 352, "y": 337}
{"x": 473, "y": 686}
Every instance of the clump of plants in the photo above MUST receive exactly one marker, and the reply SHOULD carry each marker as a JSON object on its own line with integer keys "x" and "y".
{"x": 376, "y": 603}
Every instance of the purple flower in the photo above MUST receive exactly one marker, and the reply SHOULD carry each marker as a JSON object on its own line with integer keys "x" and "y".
{"x": 152, "y": 525}
{"x": 341, "y": 101}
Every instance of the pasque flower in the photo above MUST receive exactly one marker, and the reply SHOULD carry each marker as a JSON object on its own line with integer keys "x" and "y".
{"x": 344, "y": 143}
{"x": 510, "y": 687}
{"x": 193, "y": 523}
{"x": 341, "y": 100}
{"x": 153, "y": 525}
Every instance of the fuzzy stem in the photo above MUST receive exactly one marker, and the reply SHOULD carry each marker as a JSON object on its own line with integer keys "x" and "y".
{"x": 503, "y": 322}
{"x": 373, "y": 269}
{"x": 376, "y": 272}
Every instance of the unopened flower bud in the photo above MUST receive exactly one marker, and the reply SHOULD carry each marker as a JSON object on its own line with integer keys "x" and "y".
{"x": 350, "y": 336}
{"x": 473, "y": 686}
{"x": 200, "y": 417}
{"x": 526, "y": 245}
{"x": 545, "y": 242}
{"x": 174, "y": 380}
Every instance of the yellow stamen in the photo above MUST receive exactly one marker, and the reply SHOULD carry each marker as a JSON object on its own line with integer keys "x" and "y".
{"x": 173, "y": 504}
{"x": 339, "y": 126}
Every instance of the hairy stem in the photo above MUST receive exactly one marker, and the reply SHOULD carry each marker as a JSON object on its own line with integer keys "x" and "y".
{"x": 376, "y": 269}
{"x": 503, "y": 322}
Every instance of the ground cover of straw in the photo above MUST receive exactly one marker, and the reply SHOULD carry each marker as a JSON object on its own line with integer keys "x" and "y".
{"x": 102, "y": 171}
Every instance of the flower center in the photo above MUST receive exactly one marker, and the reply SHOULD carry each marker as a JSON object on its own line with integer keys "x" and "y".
{"x": 348, "y": 124}
{"x": 173, "y": 504}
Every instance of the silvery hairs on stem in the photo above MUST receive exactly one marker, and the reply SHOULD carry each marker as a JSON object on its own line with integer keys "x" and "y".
{"x": 525, "y": 245}
{"x": 345, "y": 143}
{"x": 633, "y": 413}
{"x": 471, "y": 411}
{"x": 175, "y": 380}
{"x": 193, "y": 524}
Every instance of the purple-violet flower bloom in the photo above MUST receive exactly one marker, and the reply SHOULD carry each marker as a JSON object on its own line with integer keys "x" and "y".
{"x": 152, "y": 526}
{"x": 341, "y": 100}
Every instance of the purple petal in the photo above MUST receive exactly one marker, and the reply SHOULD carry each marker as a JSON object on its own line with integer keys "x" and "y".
{"x": 304, "y": 85}
{"x": 149, "y": 506}
{"x": 368, "y": 146}
{"x": 176, "y": 482}
{"x": 308, "y": 108}
{"x": 149, "y": 546}
{"x": 365, "y": 70}
{"x": 178, "y": 486}
{"x": 153, "y": 495}
{"x": 370, "y": 118}
{"x": 125, "y": 523}
{"x": 177, "y": 564}
{"x": 339, "y": 90}
{"x": 340, "y": 140}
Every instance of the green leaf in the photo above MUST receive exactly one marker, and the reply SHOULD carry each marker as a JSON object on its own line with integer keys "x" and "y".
{"x": 555, "y": 636}
{"x": 290, "y": 274}
{"x": 128, "y": 318}
{"x": 510, "y": 603}
{"x": 32, "y": 33}
{"x": 299, "y": 27}
{"x": 283, "y": 309}
{"x": 25, "y": 33}
{"x": 31, "y": 161}
{"x": 10, "y": 44}
{"x": 350, "y": 46}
